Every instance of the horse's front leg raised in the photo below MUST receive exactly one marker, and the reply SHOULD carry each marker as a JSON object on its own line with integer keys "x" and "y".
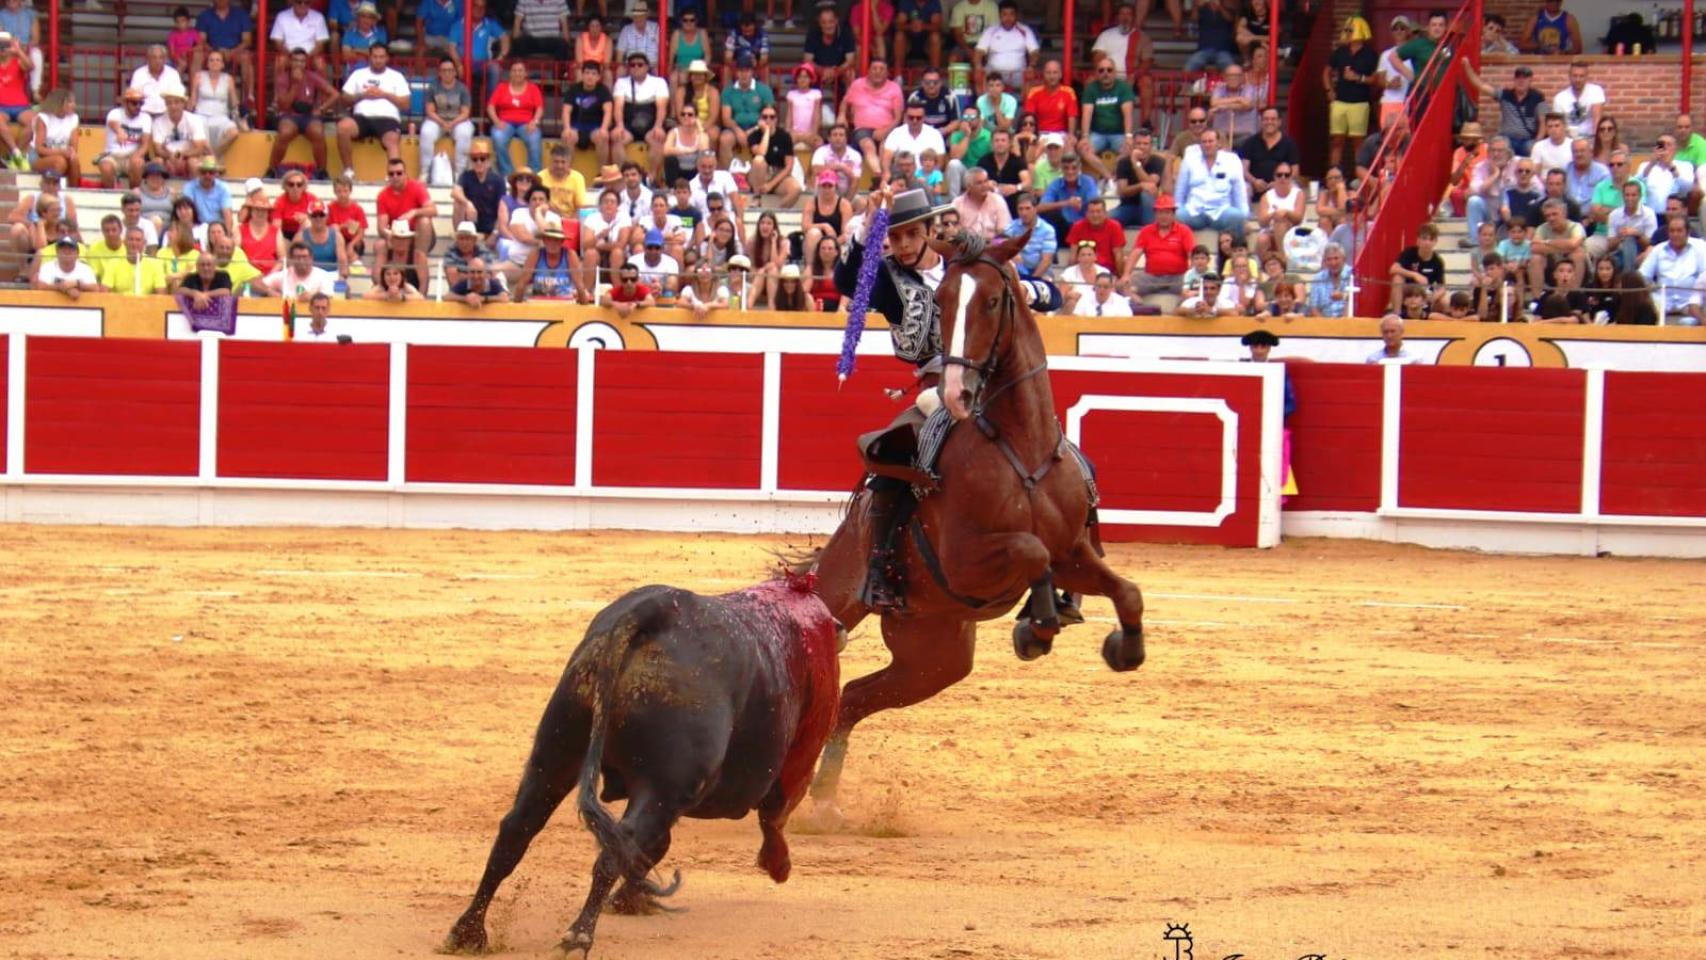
{"x": 1085, "y": 572}
{"x": 929, "y": 655}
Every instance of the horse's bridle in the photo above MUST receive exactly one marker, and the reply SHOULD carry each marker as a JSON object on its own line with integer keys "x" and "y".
{"x": 980, "y": 400}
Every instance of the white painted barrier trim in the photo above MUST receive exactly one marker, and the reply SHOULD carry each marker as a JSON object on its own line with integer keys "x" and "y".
{"x": 1391, "y": 410}
{"x": 1593, "y": 442}
{"x": 1215, "y": 407}
{"x": 584, "y": 379}
{"x": 1506, "y": 516}
{"x": 207, "y": 459}
{"x": 15, "y": 373}
{"x": 1273, "y": 461}
{"x": 396, "y": 440}
{"x": 770, "y": 430}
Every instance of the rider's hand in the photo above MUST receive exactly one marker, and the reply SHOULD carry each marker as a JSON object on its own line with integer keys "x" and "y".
{"x": 883, "y": 197}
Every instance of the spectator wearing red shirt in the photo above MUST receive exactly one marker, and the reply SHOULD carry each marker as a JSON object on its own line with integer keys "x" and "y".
{"x": 348, "y": 217}
{"x": 290, "y": 210}
{"x": 407, "y": 201}
{"x": 627, "y": 292}
{"x": 1165, "y": 249}
{"x": 515, "y": 109}
{"x": 1098, "y": 228}
{"x": 1055, "y": 105}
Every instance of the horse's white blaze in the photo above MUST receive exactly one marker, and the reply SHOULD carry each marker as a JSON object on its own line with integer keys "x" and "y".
{"x": 967, "y": 291}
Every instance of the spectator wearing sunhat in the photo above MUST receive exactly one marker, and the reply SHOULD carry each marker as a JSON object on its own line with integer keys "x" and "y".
{"x": 128, "y": 132}
{"x": 552, "y": 267}
{"x": 640, "y": 36}
{"x": 405, "y": 200}
{"x": 1164, "y": 249}
{"x": 209, "y": 194}
{"x": 179, "y": 138}
{"x": 464, "y": 248}
{"x": 367, "y": 32}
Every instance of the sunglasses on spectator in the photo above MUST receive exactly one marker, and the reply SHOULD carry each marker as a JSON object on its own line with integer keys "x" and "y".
{"x": 767, "y": 116}
{"x": 1104, "y": 70}
{"x": 318, "y": 213}
{"x": 480, "y": 158}
{"x": 1282, "y": 176}
{"x": 1195, "y": 120}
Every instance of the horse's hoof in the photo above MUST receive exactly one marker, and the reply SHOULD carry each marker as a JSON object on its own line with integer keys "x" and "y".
{"x": 1027, "y": 645}
{"x": 824, "y": 816}
{"x": 465, "y": 938}
{"x": 576, "y": 942}
{"x": 1123, "y": 650}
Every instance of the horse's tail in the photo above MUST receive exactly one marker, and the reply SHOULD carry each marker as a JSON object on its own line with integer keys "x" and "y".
{"x": 618, "y": 643}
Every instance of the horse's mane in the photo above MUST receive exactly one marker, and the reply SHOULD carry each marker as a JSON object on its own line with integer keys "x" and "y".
{"x": 968, "y": 246}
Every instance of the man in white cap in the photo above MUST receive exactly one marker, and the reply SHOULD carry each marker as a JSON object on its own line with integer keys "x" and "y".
{"x": 179, "y": 138}
{"x": 466, "y": 248}
{"x": 153, "y": 77}
{"x": 129, "y": 133}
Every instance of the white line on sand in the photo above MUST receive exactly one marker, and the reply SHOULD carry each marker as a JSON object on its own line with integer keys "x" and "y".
{"x": 1212, "y": 624}
{"x": 1233, "y": 598}
{"x": 1412, "y": 606}
{"x": 496, "y": 576}
{"x": 390, "y": 574}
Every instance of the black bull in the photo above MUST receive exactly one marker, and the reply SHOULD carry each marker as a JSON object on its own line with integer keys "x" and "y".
{"x": 706, "y": 707}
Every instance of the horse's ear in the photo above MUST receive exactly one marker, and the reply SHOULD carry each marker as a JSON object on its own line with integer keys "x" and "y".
{"x": 1009, "y": 248}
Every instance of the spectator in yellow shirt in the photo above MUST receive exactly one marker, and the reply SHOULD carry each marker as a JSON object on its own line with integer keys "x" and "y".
{"x": 135, "y": 273}
{"x": 567, "y": 186}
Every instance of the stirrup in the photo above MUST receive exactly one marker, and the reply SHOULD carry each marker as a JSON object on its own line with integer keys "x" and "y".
{"x": 1066, "y": 607}
{"x": 879, "y": 592}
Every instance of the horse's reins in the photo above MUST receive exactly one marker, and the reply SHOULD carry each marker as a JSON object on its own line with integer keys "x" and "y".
{"x": 986, "y": 372}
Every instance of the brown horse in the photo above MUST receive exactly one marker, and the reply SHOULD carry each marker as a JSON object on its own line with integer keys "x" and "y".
{"x": 1010, "y": 513}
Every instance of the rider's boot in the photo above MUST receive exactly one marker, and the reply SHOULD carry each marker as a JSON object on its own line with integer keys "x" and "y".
{"x": 1066, "y": 607}
{"x": 884, "y": 514}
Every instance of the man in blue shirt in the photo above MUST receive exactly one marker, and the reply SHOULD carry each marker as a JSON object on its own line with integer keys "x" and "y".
{"x": 491, "y": 44}
{"x": 438, "y": 26}
{"x": 228, "y": 29}
{"x": 1064, "y": 201}
{"x": 212, "y": 200}
{"x": 1037, "y": 259}
{"x": 1330, "y": 289}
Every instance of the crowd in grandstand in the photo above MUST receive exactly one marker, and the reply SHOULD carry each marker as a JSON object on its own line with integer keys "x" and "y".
{"x": 754, "y": 174}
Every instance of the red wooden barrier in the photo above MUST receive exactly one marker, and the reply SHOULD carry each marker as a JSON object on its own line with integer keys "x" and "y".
{"x": 678, "y": 420}
{"x": 300, "y": 411}
{"x": 5, "y": 368}
{"x": 1162, "y": 459}
{"x": 1488, "y": 438}
{"x": 115, "y": 407}
{"x": 819, "y": 422}
{"x": 1335, "y": 436}
{"x": 491, "y": 415}
{"x": 1654, "y": 460}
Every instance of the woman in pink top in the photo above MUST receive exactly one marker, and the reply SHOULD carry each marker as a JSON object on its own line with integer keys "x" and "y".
{"x": 871, "y": 109}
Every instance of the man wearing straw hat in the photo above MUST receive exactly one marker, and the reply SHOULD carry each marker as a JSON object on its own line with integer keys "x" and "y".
{"x": 179, "y": 137}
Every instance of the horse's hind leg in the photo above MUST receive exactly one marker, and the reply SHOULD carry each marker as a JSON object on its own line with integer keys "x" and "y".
{"x": 928, "y": 656}
{"x": 1085, "y": 572}
{"x": 558, "y": 750}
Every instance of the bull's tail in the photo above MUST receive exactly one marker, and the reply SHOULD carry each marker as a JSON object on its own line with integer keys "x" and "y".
{"x": 612, "y": 838}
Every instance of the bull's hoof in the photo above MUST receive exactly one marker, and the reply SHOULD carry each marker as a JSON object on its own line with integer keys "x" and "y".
{"x": 773, "y": 859}
{"x": 577, "y": 941}
{"x": 1123, "y": 650}
{"x": 466, "y": 937}
{"x": 1027, "y": 644}
{"x": 632, "y": 902}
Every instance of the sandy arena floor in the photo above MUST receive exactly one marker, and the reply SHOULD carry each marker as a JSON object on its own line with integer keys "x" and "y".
{"x": 260, "y": 744}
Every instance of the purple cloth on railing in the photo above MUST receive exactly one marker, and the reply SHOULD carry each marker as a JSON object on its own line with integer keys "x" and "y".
{"x": 220, "y": 315}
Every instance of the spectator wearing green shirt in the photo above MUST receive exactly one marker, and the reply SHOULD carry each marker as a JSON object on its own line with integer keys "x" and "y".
{"x": 1414, "y": 55}
{"x": 1047, "y": 168}
{"x": 1690, "y": 146}
{"x": 743, "y": 101}
{"x": 1608, "y": 193}
{"x": 966, "y": 146}
{"x": 1107, "y": 105}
